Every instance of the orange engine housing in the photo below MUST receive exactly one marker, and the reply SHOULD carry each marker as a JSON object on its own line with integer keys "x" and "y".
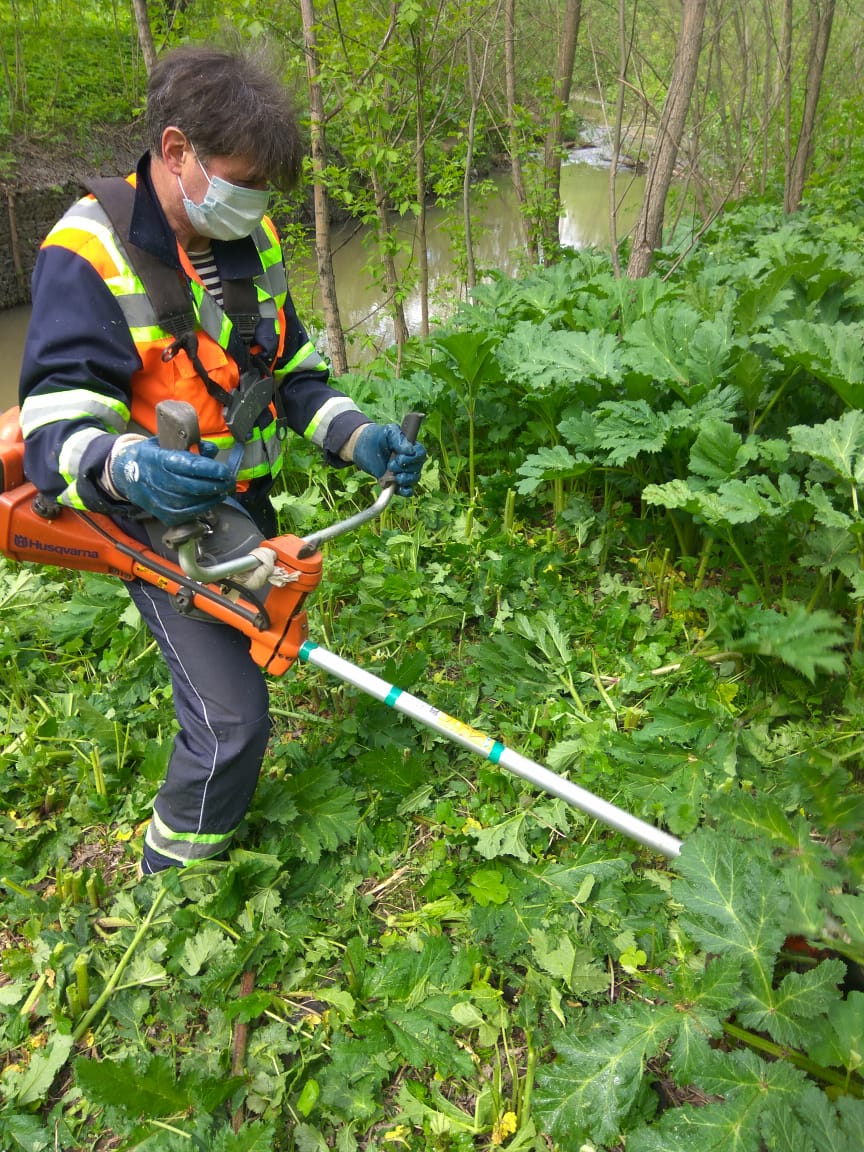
{"x": 276, "y": 625}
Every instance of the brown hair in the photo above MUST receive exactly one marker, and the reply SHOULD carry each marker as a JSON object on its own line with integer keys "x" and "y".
{"x": 228, "y": 103}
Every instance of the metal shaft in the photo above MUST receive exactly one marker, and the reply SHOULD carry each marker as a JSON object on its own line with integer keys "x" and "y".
{"x": 491, "y": 750}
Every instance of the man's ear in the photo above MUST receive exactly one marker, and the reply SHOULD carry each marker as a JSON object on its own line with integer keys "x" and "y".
{"x": 175, "y": 145}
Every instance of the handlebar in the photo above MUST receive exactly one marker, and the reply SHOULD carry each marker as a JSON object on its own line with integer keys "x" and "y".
{"x": 311, "y": 544}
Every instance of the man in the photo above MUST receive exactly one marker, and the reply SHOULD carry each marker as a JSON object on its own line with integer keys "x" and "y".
{"x": 102, "y": 350}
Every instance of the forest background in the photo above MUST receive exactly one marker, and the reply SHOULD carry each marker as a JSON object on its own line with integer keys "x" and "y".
{"x": 638, "y": 546}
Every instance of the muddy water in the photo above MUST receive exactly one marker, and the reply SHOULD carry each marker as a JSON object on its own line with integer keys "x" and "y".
{"x": 498, "y": 241}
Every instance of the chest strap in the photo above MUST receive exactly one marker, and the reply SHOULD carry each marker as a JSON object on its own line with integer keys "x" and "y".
{"x": 171, "y": 299}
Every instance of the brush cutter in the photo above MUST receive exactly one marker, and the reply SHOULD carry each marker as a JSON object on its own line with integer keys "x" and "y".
{"x": 217, "y": 566}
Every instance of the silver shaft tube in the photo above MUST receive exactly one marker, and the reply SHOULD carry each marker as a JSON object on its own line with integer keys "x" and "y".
{"x": 491, "y": 750}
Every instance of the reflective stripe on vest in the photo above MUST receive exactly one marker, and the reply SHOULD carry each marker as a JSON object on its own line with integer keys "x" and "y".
{"x": 86, "y": 230}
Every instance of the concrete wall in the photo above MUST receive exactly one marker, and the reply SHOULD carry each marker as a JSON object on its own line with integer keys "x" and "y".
{"x": 26, "y": 216}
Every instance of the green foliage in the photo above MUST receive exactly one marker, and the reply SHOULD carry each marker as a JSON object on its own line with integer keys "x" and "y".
{"x": 56, "y": 59}
{"x": 636, "y": 555}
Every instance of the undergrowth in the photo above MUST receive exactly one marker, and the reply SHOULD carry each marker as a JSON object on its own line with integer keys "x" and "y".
{"x": 636, "y": 557}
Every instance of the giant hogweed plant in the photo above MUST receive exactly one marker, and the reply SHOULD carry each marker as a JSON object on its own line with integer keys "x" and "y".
{"x": 679, "y": 404}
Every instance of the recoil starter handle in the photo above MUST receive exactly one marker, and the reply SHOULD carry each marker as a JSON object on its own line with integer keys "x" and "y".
{"x": 177, "y": 427}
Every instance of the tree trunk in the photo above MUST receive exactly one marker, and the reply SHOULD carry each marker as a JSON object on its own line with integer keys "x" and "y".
{"x": 420, "y": 177}
{"x": 625, "y": 47}
{"x": 552, "y": 150}
{"x": 513, "y": 132}
{"x": 385, "y": 250}
{"x": 821, "y": 19}
{"x": 476, "y": 87}
{"x": 473, "y": 95}
{"x": 323, "y": 249}
{"x": 145, "y": 34}
{"x": 649, "y": 227}
{"x": 786, "y": 74}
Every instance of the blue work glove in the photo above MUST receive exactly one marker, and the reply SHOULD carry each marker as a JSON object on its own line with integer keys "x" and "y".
{"x": 171, "y": 484}
{"x": 381, "y": 447}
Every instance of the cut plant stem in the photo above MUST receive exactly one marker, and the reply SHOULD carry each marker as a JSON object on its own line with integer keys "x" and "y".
{"x": 114, "y": 979}
{"x": 241, "y": 1037}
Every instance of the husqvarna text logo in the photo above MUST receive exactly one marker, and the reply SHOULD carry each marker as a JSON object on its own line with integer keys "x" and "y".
{"x": 30, "y": 545}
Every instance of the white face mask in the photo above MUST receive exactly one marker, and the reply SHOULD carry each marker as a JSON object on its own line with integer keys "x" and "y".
{"x": 227, "y": 212}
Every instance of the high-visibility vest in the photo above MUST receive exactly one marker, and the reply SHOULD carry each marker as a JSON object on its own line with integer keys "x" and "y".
{"x": 87, "y": 230}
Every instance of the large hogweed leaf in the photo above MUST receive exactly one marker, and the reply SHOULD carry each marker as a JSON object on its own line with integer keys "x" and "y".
{"x": 590, "y": 1088}
{"x": 834, "y": 353}
{"x": 148, "y": 1089}
{"x": 838, "y": 444}
{"x": 732, "y": 502}
{"x": 806, "y": 641}
{"x": 840, "y": 1042}
{"x": 618, "y": 431}
{"x": 730, "y": 902}
{"x": 676, "y": 346}
{"x": 319, "y": 811}
{"x": 625, "y": 429}
{"x": 544, "y": 359}
{"x": 745, "y": 1093}
{"x": 787, "y": 1012}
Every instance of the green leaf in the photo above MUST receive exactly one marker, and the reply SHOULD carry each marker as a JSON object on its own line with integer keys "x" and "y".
{"x": 469, "y": 359}
{"x": 704, "y": 1000}
{"x": 504, "y": 839}
{"x": 752, "y": 1090}
{"x": 555, "y": 463}
{"x": 25, "y": 1133}
{"x": 431, "y": 1108}
{"x": 408, "y": 974}
{"x": 577, "y": 967}
{"x": 31, "y": 1085}
{"x": 838, "y": 444}
{"x": 834, "y": 353}
{"x": 624, "y": 429}
{"x": 851, "y": 910}
{"x": 588, "y": 1090}
{"x": 677, "y": 347}
{"x": 351, "y": 1079}
{"x": 257, "y": 1136}
{"x": 718, "y": 452}
{"x": 823, "y": 1129}
{"x": 151, "y": 1090}
{"x": 202, "y": 947}
{"x": 327, "y": 814}
{"x": 546, "y": 358}
{"x": 842, "y": 1042}
{"x": 422, "y": 1043}
{"x": 787, "y": 1012}
{"x": 852, "y": 1120}
{"x": 731, "y": 902}
{"x": 309, "y": 1139}
{"x": 806, "y": 641}
{"x": 487, "y": 887}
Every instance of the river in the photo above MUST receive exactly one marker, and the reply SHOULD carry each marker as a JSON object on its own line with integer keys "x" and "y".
{"x": 498, "y": 242}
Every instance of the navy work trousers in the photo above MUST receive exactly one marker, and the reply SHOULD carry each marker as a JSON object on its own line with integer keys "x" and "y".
{"x": 221, "y": 703}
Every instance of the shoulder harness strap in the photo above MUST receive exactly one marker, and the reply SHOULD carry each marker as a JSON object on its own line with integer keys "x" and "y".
{"x": 168, "y": 289}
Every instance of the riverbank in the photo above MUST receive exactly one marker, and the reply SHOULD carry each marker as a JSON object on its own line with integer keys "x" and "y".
{"x": 38, "y": 183}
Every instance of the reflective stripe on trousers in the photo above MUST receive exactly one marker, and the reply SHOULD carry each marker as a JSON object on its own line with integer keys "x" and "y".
{"x": 221, "y": 703}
